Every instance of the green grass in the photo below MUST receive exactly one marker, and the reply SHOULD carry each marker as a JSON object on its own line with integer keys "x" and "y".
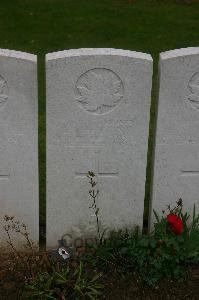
{"x": 42, "y": 26}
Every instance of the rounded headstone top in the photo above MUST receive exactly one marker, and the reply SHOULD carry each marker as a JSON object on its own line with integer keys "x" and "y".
{"x": 18, "y": 55}
{"x": 97, "y": 51}
{"x": 179, "y": 53}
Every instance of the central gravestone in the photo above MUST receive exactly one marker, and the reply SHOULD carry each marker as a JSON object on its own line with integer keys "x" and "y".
{"x": 98, "y": 104}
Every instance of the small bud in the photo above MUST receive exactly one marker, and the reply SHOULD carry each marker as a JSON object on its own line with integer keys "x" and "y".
{"x": 179, "y": 202}
{"x": 91, "y": 173}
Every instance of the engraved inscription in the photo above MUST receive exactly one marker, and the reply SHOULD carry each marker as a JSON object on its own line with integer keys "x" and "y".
{"x": 194, "y": 89}
{"x": 3, "y": 91}
{"x": 17, "y": 139}
{"x": 82, "y": 132}
{"x": 122, "y": 135}
{"x": 114, "y": 132}
{"x": 99, "y": 91}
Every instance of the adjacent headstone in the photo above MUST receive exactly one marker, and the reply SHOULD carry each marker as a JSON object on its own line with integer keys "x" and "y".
{"x": 18, "y": 144}
{"x": 176, "y": 169}
{"x": 98, "y": 105}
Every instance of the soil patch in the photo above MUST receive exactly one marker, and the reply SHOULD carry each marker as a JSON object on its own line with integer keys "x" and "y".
{"x": 134, "y": 289}
{"x": 115, "y": 288}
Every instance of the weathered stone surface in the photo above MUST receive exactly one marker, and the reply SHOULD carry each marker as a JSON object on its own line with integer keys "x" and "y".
{"x": 19, "y": 142}
{"x": 176, "y": 169}
{"x": 98, "y": 104}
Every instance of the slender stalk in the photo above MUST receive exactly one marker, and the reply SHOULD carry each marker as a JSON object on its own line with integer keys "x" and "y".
{"x": 94, "y": 193}
{"x": 10, "y": 243}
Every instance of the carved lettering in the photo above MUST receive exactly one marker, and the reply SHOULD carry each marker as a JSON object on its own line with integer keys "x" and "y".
{"x": 78, "y": 133}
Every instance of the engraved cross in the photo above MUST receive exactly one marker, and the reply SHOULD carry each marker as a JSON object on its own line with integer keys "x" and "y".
{"x": 97, "y": 168}
{"x": 189, "y": 173}
{"x": 4, "y": 169}
{"x": 4, "y": 176}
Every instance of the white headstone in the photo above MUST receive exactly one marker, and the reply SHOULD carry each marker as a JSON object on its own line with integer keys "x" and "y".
{"x": 19, "y": 143}
{"x": 98, "y": 104}
{"x": 176, "y": 169}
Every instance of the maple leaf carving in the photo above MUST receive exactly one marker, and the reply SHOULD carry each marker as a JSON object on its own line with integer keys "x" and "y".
{"x": 99, "y": 90}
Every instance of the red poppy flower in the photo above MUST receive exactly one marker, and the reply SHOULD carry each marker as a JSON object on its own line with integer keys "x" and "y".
{"x": 175, "y": 223}
{"x": 171, "y": 218}
{"x": 177, "y": 227}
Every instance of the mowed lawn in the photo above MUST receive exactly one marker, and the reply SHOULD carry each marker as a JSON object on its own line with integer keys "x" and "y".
{"x": 42, "y": 26}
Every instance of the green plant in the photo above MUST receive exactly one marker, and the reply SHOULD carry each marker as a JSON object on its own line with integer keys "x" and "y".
{"x": 161, "y": 254}
{"x": 166, "y": 252}
{"x": 39, "y": 288}
{"x": 85, "y": 287}
{"x": 191, "y": 236}
{"x": 190, "y": 233}
{"x": 156, "y": 258}
{"x": 68, "y": 282}
{"x": 113, "y": 254}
